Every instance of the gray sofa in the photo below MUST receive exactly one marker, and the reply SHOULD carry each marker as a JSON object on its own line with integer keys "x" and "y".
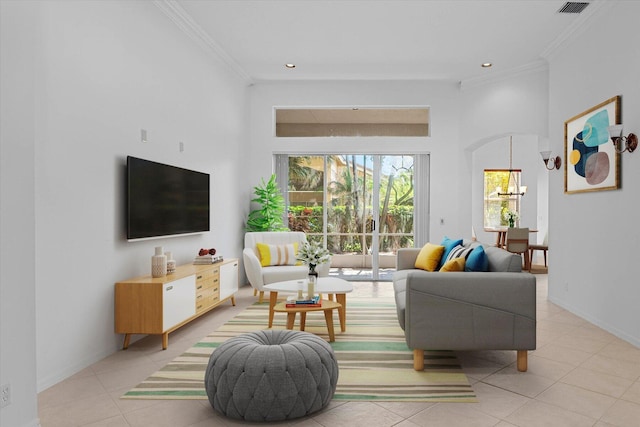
{"x": 492, "y": 310}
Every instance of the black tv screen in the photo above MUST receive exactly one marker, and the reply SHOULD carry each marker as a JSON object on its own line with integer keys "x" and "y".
{"x": 164, "y": 200}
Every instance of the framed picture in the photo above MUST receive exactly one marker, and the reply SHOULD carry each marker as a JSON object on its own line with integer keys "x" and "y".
{"x": 591, "y": 162}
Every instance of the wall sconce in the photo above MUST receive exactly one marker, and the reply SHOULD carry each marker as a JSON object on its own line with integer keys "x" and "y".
{"x": 630, "y": 141}
{"x": 555, "y": 162}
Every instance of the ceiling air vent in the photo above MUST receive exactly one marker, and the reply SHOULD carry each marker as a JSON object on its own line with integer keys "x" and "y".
{"x": 573, "y": 7}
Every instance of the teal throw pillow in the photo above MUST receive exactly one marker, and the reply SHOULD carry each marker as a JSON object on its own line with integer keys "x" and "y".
{"x": 448, "y": 245}
{"x": 477, "y": 260}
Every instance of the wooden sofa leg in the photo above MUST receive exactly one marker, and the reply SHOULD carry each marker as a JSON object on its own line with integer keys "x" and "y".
{"x": 261, "y": 296}
{"x": 522, "y": 360}
{"x": 418, "y": 359}
{"x": 255, "y": 292}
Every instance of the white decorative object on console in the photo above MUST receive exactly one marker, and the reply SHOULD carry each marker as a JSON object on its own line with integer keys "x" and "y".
{"x": 159, "y": 263}
{"x": 171, "y": 263}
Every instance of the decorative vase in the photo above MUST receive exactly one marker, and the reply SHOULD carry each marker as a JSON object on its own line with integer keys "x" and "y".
{"x": 171, "y": 263}
{"x": 511, "y": 223}
{"x": 313, "y": 276}
{"x": 159, "y": 263}
{"x": 312, "y": 270}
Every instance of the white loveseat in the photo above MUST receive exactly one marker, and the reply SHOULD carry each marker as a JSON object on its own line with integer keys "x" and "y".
{"x": 260, "y": 276}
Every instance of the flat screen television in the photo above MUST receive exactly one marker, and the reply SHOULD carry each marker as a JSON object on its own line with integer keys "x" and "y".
{"x": 165, "y": 200}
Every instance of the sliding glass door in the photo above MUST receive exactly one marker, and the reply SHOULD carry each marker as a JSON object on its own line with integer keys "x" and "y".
{"x": 360, "y": 206}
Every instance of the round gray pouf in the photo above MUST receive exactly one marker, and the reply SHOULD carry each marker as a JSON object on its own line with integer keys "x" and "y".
{"x": 271, "y": 375}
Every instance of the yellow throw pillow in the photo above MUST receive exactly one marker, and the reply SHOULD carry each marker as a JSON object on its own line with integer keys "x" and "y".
{"x": 429, "y": 257}
{"x": 277, "y": 254}
{"x": 456, "y": 264}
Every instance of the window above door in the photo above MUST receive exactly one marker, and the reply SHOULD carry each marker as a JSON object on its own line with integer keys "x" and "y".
{"x": 352, "y": 121}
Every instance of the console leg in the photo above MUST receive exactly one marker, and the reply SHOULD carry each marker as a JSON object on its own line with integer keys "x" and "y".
{"x": 127, "y": 338}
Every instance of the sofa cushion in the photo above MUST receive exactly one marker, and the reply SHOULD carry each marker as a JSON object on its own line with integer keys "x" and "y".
{"x": 459, "y": 252}
{"x": 477, "y": 260}
{"x": 277, "y": 254}
{"x": 456, "y": 264}
{"x": 448, "y": 244}
{"x": 282, "y": 273}
{"x": 429, "y": 257}
{"x": 501, "y": 260}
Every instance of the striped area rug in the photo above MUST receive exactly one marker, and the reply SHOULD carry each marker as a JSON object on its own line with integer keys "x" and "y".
{"x": 373, "y": 359}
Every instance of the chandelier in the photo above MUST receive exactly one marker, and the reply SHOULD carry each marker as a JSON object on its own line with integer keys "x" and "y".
{"x": 513, "y": 185}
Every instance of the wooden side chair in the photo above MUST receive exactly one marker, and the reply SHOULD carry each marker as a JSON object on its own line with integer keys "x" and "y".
{"x": 518, "y": 243}
{"x": 544, "y": 247}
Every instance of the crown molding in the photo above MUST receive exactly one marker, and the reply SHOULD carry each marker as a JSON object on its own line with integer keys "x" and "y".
{"x": 532, "y": 67}
{"x": 595, "y": 9}
{"x": 185, "y": 22}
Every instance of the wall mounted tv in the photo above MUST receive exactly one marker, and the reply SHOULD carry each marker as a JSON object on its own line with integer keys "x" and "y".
{"x": 164, "y": 200}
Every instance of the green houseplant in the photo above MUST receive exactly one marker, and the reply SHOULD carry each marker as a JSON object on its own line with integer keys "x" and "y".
{"x": 269, "y": 217}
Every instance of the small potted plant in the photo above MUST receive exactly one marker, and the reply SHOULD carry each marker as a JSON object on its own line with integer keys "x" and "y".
{"x": 511, "y": 217}
{"x": 313, "y": 254}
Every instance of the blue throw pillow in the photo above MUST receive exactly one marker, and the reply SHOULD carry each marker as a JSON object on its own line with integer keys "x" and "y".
{"x": 448, "y": 245}
{"x": 477, "y": 260}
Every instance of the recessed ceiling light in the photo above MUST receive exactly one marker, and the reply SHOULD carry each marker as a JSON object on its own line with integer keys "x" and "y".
{"x": 290, "y": 65}
{"x": 486, "y": 64}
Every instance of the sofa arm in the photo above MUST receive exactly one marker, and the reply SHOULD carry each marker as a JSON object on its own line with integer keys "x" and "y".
{"x": 470, "y": 310}
{"x": 253, "y": 268}
{"x": 406, "y": 258}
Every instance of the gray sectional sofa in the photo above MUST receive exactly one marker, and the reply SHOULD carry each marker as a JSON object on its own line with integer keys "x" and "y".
{"x": 471, "y": 310}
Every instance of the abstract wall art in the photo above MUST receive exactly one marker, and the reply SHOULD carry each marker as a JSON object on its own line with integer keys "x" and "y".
{"x": 591, "y": 162}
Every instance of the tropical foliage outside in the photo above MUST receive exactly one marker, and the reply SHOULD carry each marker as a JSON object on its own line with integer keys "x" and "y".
{"x": 349, "y": 198}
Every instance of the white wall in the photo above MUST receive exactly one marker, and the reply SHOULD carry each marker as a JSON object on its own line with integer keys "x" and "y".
{"x": 594, "y": 238}
{"x": 105, "y": 70}
{"x": 17, "y": 213}
{"x": 515, "y": 106}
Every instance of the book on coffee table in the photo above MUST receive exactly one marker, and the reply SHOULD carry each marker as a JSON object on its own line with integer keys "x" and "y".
{"x": 312, "y": 302}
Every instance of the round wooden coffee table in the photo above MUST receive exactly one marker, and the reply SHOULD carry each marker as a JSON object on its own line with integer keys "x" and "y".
{"x": 327, "y": 307}
{"x": 325, "y": 285}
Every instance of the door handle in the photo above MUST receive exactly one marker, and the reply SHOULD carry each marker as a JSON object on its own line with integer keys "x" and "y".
{"x": 373, "y": 225}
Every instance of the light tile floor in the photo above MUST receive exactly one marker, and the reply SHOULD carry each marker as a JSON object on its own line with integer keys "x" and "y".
{"x": 580, "y": 375}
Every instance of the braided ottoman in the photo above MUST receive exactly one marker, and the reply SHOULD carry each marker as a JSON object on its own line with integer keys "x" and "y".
{"x": 271, "y": 375}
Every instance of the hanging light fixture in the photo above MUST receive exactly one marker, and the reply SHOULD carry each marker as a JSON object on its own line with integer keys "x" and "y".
{"x": 513, "y": 185}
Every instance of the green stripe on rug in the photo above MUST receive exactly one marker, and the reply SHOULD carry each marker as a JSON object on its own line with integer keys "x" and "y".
{"x": 373, "y": 359}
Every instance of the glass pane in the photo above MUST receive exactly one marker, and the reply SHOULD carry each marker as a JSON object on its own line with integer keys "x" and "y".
{"x": 306, "y": 195}
{"x": 323, "y": 122}
{"x": 396, "y": 207}
{"x": 349, "y": 189}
